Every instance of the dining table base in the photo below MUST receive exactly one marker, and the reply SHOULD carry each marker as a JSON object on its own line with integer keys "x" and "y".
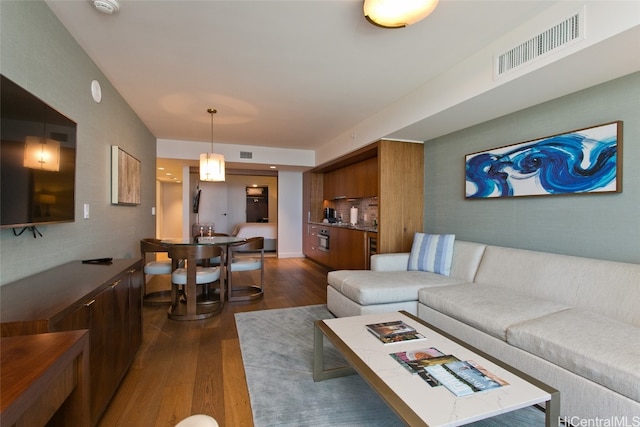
{"x": 205, "y": 308}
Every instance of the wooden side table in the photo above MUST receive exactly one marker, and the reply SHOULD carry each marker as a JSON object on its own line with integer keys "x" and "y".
{"x": 43, "y": 373}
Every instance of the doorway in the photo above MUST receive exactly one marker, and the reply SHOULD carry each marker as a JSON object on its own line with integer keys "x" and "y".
{"x": 257, "y": 201}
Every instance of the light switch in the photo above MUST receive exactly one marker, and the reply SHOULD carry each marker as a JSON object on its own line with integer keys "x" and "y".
{"x": 153, "y": 210}
{"x": 86, "y": 211}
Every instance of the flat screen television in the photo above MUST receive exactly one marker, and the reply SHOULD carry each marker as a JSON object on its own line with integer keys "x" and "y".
{"x": 38, "y": 160}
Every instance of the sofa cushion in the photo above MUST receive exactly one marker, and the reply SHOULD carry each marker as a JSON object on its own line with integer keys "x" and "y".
{"x": 608, "y": 288}
{"x": 488, "y": 308}
{"x": 432, "y": 252}
{"x": 599, "y": 348}
{"x": 378, "y": 287}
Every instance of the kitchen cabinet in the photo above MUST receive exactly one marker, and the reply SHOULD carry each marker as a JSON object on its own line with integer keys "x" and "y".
{"x": 391, "y": 170}
{"x": 333, "y": 185}
{"x": 363, "y": 179}
{"x": 348, "y": 249}
{"x": 104, "y": 299}
{"x": 312, "y": 203}
{"x": 311, "y": 248}
{"x": 401, "y": 195}
{"x": 355, "y": 181}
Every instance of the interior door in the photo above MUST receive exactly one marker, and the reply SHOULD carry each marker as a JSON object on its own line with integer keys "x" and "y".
{"x": 213, "y": 205}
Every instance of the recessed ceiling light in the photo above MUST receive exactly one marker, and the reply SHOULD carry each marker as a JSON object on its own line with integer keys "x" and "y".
{"x": 272, "y": 167}
{"x": 160, "y": 169}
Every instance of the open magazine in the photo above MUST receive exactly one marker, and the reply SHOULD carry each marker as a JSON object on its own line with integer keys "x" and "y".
{"x": 461, "y": 377}
{"x": 464, "y": 377}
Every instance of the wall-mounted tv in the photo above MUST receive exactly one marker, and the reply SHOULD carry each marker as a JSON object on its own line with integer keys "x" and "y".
{"x": 38, "y": 160}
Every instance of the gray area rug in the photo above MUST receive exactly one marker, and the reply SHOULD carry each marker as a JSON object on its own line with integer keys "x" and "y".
{"x": 277, "y": 352}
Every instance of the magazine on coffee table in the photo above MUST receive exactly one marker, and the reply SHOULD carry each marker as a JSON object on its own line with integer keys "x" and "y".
{"x": 464, "y": 377}
{"x": 461, "y": 377}
{"x": 392, "y": 332}
{"x": 404, "y": 357}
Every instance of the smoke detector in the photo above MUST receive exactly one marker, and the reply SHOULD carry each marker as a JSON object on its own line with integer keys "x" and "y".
{"x": 108, "y": 7}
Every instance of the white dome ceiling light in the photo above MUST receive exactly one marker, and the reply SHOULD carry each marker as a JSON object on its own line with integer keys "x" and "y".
{"x": 397, "y": 13}
{"x": 108, "y": 7}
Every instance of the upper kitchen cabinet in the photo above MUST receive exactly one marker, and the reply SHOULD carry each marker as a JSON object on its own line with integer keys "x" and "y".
{"x": 355, "y": 181}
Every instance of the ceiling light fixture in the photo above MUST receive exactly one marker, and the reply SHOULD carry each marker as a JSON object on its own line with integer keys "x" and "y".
{"x": 108, "y": 7}
{"x": 211, "y": 164}
{"x": 397, "y": 13}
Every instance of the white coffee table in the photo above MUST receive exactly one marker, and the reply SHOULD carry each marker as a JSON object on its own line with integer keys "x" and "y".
{"x": 415, "y": 401}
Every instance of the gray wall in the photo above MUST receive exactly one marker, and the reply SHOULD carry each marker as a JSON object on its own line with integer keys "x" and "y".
{"x": 596, "y": 225}
{"x": 38, "y": 54}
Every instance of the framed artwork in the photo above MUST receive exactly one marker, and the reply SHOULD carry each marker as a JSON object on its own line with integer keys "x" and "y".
{"x": 125, "y": 178}
{"x": 581, "y": 161}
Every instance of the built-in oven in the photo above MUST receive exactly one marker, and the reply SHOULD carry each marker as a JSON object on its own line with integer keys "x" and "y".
{"x": 323, "y": 239}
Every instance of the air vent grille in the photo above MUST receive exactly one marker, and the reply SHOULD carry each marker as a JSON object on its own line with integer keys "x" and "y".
{"x": 550, "y": 40}
{"x": 246, "y": 155}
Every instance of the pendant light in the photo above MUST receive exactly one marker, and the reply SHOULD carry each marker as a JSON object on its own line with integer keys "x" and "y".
{"x": 397, "y": 13}
{"x": 211, "y": 164}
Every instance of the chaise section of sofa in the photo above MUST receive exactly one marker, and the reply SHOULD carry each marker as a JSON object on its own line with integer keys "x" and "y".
{"x": 388, "y": 286}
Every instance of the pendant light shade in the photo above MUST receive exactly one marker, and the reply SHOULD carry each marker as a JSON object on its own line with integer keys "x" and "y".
{"x": 211, "y": 164}
{"x": 42, "y": 153}
{"x": 397, "y": 13}
{"x": 211, "y": 167}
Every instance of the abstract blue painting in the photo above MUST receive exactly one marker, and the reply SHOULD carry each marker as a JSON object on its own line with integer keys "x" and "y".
{"x": 581, "y": 161}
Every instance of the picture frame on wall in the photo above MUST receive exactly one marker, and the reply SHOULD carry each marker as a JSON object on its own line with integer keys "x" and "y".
{"x": 125, "y": 177}
{"x": 581, "y": 161}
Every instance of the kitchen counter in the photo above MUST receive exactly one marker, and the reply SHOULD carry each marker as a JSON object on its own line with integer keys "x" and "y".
{"x": 358, "y": 227}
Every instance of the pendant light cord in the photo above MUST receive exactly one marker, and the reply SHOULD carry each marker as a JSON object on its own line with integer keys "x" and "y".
{"x": 212, "y": 111}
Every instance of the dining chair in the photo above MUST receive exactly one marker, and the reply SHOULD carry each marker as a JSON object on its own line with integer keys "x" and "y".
{"x": 205, "y": 274}
{"x": 237, "y": 264}
{"x": 218, "y": 259}
{"x": 153, "y": 267}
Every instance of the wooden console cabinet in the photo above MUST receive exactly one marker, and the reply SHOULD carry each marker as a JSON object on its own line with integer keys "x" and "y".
{"x": 45, "y": 379}
{"x": 105, "y": 299}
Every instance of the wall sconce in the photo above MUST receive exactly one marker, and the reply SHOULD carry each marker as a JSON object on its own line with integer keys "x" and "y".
{"x": 397, "y": 13}
{"x": 42, "y": 153}
{"x": 211, "y": 164}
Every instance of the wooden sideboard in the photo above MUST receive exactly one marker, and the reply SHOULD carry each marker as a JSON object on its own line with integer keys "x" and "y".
{"x": 104, "y": 299}
{"x": 45, "y": 379}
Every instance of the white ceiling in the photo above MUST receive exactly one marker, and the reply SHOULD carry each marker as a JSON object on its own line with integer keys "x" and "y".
{"x": 287, "y": 74}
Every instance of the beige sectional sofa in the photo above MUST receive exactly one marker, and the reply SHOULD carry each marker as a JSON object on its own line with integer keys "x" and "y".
{"x": 571, "y": 322}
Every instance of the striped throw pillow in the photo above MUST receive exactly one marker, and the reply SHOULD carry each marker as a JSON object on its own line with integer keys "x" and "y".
{"x": 432, "y": 252}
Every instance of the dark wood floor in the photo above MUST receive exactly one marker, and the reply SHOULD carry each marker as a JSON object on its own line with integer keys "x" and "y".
{"x": 194, "y": 367}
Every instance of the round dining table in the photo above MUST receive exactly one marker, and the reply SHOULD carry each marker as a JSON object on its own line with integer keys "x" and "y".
{"x": 192, "y": 312}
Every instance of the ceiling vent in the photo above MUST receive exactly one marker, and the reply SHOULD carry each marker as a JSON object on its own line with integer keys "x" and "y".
{"x": 551, "y": 40}
{"x": 246, "y": 155}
